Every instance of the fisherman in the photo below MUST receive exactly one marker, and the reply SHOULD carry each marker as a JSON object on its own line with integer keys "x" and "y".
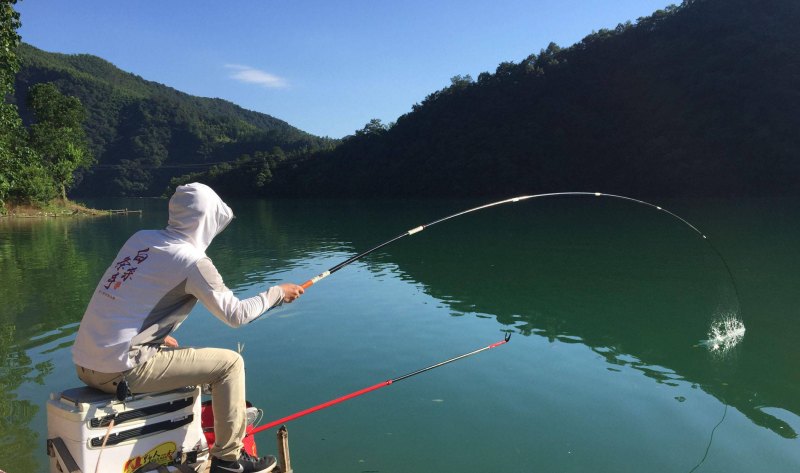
{"x": 124, "y": 340}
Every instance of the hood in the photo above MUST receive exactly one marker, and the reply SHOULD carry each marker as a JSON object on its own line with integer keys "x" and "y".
{"x": 198, "y": 214}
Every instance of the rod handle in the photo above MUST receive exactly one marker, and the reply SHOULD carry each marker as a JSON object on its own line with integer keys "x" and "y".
{"x": 313, "y": 280}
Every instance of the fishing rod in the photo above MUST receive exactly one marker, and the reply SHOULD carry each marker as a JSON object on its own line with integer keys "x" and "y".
{"x": 414, "y": 230}
{"x": 418, "y": 229}
{"x": 375, "y": 387}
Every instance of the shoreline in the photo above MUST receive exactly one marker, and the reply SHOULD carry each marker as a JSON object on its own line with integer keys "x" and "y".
{"x": 55, "y": 209}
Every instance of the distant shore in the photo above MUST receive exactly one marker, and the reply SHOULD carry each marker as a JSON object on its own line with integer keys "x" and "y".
{"x": 56, "y": 208}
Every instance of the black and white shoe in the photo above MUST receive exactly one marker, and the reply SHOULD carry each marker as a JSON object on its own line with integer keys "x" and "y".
{"x": 245, "y": 464}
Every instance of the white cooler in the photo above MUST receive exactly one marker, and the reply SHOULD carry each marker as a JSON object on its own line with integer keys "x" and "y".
{"x": 155, "y": 429}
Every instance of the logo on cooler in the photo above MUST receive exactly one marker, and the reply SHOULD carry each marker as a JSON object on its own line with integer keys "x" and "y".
{"x": 162, "y": 454}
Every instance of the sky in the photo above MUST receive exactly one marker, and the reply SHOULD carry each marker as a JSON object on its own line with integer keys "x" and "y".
{"x": 325, "y": 67}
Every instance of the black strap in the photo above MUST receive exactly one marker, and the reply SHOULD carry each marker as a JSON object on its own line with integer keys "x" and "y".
{"x": 164, "y": 426}
{"x": 133, "y": 414}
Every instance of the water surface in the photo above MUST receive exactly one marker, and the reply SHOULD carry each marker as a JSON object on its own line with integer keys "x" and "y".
{"x": 607, "y": 302}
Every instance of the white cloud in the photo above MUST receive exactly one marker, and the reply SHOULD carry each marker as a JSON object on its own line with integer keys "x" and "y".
{"x": 252, "y": 75}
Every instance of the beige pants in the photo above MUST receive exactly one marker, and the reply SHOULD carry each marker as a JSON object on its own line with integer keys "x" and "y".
{"x": 173, "y": 368}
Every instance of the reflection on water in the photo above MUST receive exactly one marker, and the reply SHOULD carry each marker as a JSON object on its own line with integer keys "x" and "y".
{"x": 15, "y": 413}
{"x": 612, "y": 299}
{"x": 622, "y": 280}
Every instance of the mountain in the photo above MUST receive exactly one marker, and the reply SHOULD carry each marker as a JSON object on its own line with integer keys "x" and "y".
{"x": 143, "y": 133}
{"x": 697, "y": 99}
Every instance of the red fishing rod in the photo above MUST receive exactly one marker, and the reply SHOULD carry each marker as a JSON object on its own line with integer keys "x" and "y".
{"x": 382, "y": 384}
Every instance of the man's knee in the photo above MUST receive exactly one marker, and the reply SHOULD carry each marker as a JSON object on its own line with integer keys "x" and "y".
{"x": 234, "y": 361}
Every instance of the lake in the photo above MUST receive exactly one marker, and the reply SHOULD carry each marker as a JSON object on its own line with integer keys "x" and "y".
{"x": 608, "y": 303}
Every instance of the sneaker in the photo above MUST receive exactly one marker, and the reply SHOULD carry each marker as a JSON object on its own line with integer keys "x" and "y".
{"x": 245, "y": 464}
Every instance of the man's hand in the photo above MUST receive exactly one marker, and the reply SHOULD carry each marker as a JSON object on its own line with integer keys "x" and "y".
{"x": 291, "y": 292}
{"x": 170, "y": 342}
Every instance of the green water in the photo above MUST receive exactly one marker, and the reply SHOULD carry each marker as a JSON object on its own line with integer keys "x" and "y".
{"x": 607, "y": 302}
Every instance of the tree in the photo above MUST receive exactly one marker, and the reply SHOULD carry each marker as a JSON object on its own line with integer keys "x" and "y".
{"x": 9, "y": 40}
{"x": 22, "y": 177}
{"x": 58, "y": 135}
{"x": 10, "y": 124}
{"x": 373, "y": 128}
{"x": 461, "y": 82}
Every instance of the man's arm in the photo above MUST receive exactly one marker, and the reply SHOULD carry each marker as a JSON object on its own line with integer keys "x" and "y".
{"x": 206, "y": 284}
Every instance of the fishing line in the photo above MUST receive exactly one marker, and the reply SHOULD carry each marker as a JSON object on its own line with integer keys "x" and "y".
{"x": 711, "y": 440}
{"x": 419, "y": 228}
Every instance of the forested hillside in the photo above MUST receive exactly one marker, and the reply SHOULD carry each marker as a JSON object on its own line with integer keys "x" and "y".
{"x": 142, "y": 133}
{"x": 697, "y": 99}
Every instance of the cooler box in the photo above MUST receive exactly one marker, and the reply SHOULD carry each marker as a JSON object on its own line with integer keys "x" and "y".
{"x": 162, "y": 428}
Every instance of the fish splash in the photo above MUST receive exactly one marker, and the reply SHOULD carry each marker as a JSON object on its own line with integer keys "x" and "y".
{"x": 724, "y": 334}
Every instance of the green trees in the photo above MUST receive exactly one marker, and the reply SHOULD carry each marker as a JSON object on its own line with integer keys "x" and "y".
{"x": 10, "y": 123}
{"x": 57, "y": 135}
{"x": 247, "y": 176}
{"x": 696, "y": 100}
{"x": 142, "y": 134}
{"x": 373, "y": 128}
{"x": 699, "y": 99}
{"x": 22, "y": 177}
{"x": 35, "y": 164}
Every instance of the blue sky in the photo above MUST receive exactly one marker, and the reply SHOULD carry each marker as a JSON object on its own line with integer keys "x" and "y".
{"x": 326, "y": 67}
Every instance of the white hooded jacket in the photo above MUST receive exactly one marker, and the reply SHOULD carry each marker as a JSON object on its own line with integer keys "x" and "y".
{"x": 155, "y": 281}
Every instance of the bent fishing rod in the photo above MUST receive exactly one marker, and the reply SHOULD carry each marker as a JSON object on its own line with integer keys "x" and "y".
{"x": 375, "y": 387}
{"x": 419, "y": 228}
